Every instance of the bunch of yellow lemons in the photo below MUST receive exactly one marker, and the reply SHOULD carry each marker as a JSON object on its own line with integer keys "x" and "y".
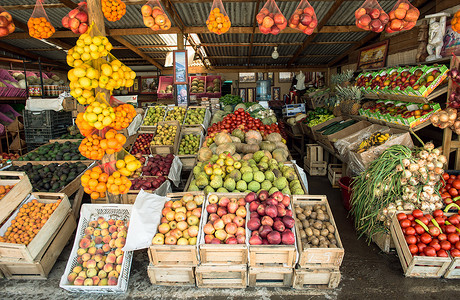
{"x": 88, "y": 48}
{"x": 83, "y": 79}
{"x": 128, "y": 165}
{"x": 99, "y": 115}
{"x": 115, "y": 75}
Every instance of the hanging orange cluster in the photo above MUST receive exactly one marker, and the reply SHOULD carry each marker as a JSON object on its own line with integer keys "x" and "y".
{"x": 40, "y": 28}
{"x": 118, "y": 184}
{"x": 217, "y": 22}
{"x": 124, "y": 114}
{"x": 113, "y": 9}
{"x": 94, "y": 182}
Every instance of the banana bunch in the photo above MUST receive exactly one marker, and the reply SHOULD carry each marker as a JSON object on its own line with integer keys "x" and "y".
{"x": 375, "y": 139}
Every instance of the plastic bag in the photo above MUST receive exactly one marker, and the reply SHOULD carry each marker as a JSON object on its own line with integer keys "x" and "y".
{"x": 39, "y": 24}
{"x": 371, "y": 16}
{"x": 270, "y": 19}
{"x": 6, "y": 23}
{"x": 403, "y": 16}
{"x": 113, "y": 10}
{"x": 154, "y": 16}
{"x": 304, "y": 18}
{"x": 77, "y": 19}
{"x": 218, "y": 20}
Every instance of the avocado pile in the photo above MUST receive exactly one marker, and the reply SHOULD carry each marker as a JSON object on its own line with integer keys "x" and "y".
{"x": 69, "y": 136}
{"x": 52, "y": 177}
{"x": 55, "y": 152}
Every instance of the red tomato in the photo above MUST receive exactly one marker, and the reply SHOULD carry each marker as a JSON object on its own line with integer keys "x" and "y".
{"x": 417, "y": 213}
{"x": 410, "y": 217}
{"x": 456, "y": 184}
{"x": 445, "y": 195}
{"x": 455, "y": 252}
{"x": 448, "y": 201}
{"x": 435, "y": 244}
{"x": 405, "y": 223}
{"x": 440, "y": 220}
{"x": 446, "y": 245}
{"x": 457, "y": 245}
{"x": 445, "y": 176}
{"x": 450, "y": 180}
{"x": 425, "y": 238}
{"x": 420, "y": 247}
{"x": 448, "y": 187}
{"x": 442, "y": 190}
{"x": 442, "y": 237}
{"x": 453, "y": 192}
{"x": 419, "y": 229}
{"x": 450, "y": 229}
{"x": 442, "y": 253}
{"x": 452, "y": 177}
{"x": 438, "y": 213}
{"x": 413, "y": 249}
{"x": 453, "y": 238}
{"x": 424, "y": 220}
{"x": 429, "y": 251}
{"x": 410, "y": 230}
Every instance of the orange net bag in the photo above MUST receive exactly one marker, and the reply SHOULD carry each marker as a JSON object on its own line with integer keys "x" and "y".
{"x": 113, "y": 10}
{"x": 403, "y": 16}
{"x": 371, "y": 16}
{"x": 304, "y": 18}
{"x": 6, "y": 23}
{"x": 270, "y": 19}
{"x": 218, "y": 20}
{"x": 154, "y": 16}
{"x": 124, "y": 114}
{"x": 77, "y": 19}
{"x": 39, "y": 24}
{"x": 456, "y": 22}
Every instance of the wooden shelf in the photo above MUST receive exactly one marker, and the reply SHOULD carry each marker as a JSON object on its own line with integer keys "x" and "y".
{"x": 392, "y": 125}
{"x": 5, "y": 99}
{"x": 416, "y": 99}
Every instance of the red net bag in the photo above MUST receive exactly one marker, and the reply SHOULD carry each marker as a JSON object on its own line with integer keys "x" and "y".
{"x": 39, "y": 24}
{"x": 403, "y": 16}
{"x": 124, "y": 114}
{"x": 154, "y": 16}
{"x": 304, "y": 18}
{"x": 270, "y": 18}
{"x": 77, "y": 19}
{"x": 371, "y": 16}
{"x": 6, "y": 23}
{"x": 113, "y": 10}
{"x": 218, "y": 20}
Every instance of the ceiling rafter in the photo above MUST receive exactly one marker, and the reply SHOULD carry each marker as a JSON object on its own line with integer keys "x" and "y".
{"x": 137, "y": 51}
{"x": 254, "y": 24}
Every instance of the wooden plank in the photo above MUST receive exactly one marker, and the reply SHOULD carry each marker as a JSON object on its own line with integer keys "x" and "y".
{"x": 231, "y": 276}
{"x": 22, "y": 187}
{"x": 270, "y": 276}
{"x": 316, "y": 278}
{"x": 453, "y": 272}
{"x": 171, "y": 275}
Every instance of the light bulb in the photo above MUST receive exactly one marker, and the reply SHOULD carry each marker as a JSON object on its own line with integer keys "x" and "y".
{"x": 275, "y": 53}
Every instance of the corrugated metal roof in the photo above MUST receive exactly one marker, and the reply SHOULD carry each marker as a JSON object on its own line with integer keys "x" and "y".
{"x": 29, "y": 44}
{"x": 340, "y": 37}
{"x": 229, "y": 61}
{"x": 279, "y": 38}
{"x": 144, "y": 40}
{"x": 227, "y": 51}
{"x": 225, "y": 38}
{"x": 269, "y": 61}
{"x": 313, "y": 60}
{"x": 332, "y": 49}
{"x": 345, "y": 15}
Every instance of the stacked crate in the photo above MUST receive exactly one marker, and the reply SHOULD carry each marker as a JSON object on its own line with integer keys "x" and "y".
{"x": 314, "y": 163}
{"x": 42, "y": 126}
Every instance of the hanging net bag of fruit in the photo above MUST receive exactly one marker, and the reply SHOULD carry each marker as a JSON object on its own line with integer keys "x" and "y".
{"x": 154, "y": 16}
{"x": 218, "y": 20}
{"x": 77, "y": 19}
{"x": 371, "y": 16}
{"x": 270, "y": 19}
{"x": 6, "y": 23}
{"x": 403, "y": 16}
{"x": 456, "y": 22}
{"x": 39, "y": 24}
{"x": 113, "y": 10}
{"x": 304, "y": 18}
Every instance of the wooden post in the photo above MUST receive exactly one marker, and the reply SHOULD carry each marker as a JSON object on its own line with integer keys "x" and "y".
{"x": 180, "y": 42}
{"x": 95, "y": 15}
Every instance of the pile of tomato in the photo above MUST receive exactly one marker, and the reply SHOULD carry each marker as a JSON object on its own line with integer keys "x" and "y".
{"x": 242, "y": 120}
{"x": 431, "y": 235}
{"x": 450, "y": 191}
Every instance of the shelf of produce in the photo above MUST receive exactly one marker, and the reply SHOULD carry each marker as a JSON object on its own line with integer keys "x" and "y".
{"x": 417, "y": 99}
{"x": 393, "y": 125}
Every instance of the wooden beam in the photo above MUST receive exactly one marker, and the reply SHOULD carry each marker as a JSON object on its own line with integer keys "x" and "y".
{"x": 269, "y": 56}
{"x": 254, "y": 24}
{"x": 21, "y": 52}
{"x": 236, "y": 69}
{"x": 52, "y": 40}
{"x": 175, "y": 15}
{"x": 369, "y": 37}
{"x": 137, "y": 51}
{"x": 323, "y": 22}
{"x": 69, "y": 3}
{"x": 95, "y": 15}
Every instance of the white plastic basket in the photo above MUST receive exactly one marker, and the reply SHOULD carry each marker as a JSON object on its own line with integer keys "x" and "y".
{"x": 90, "y": 212}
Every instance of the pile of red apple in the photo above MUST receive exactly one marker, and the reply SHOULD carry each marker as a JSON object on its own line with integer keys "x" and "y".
{"x": 158, "y": 165}
{"x": 77, "y": 19}
{"x": 304, "y": 20}
{"x": 6, "y": 24}
{"x": 226, "y": 220}
{"x": 402, "y": 17}
{"x": 271, "y": 220}
{"x": 147, "y": 183}
{"x": 270, "y": 22}
{"x": 431, "y": 235}
{"x": 142, "y": 144}
{"x": 373, "y": 19}
{"x": 8, "y": 156}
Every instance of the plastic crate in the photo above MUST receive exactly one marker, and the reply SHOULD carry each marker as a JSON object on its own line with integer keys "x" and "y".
{"x": 42, "y": 136}
{"x": 47, "y": 119}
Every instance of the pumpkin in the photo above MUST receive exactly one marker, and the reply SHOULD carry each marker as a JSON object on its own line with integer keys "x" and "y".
{"x": 227, "y": 147}
{"x": 252, "y": 134}
{"x": 280, "y": 155}
{"x": 250, "y": 148}
{"x": 281, "y": 145}
{"x": 235, "y": 139}
{"x": 238, "y": 133}
{"x": 274, "y": 137}
{"x": 239, "y": 147}
{"x": 252, "y": 141}
{"x": 213, "y": 147}
{"x": 266, "y": 145}
{"x": 204, "y": 154}
{"x": 268, "y": 154}
{"x": 222, "y": 138}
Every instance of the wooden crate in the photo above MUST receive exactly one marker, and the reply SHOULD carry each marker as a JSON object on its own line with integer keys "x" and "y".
{"x": 334, "y": 173}
{"x": 135, "y": 136}
{"x": 270, "y": 276}
{"x": 314, "y": 162}
{"x": 453, "y": 272}
{"x": 189, "y": 161}
{"x": 416, "y": 266}
{"x": 171, "y": 275}
{"x": 167, "y": 149}
{"x": 316, "y": 278}
{"x": 222, "y": 254}
{"x": 21, "y": 253}
{"x": 207, "y": 116}
{"x": 318, "y": 257}
{"x": 272, "y": 255}
{"x": 41, "y": 268}
{"x": 232, "y": 276}
{"x": 383, "y": 241}
{"x": 175, "y": 255}
{"x": 22, "y": 187}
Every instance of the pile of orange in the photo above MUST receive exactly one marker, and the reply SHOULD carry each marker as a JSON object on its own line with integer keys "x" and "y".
{"x": 40, "y": 28}
{"x": 85, "y": 127}
{"x": 91, "y": 147}
{"x": 94, "y": 182}
{"x": 113, "y": 141}
{"x": 31, "y": 217}
{"x": 124, "y": 114}
{"x": 456, "y": 22}
{"x": 4, "y": 189}
{"x": 118, "y": 184}
{"x": 217, "y": 22}
{"x": 113, "y": 9}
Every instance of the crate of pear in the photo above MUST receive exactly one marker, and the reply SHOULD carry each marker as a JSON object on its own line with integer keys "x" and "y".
{"x": 189, "y": 144}
{"x": 176, "y": 113}
{"x": 153, "y": 115}
{"x": 166, "y": 137}
{"x": 195, "y": 116}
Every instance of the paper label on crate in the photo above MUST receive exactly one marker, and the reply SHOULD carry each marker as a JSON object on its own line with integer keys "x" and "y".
{"x": 144, "y": 220}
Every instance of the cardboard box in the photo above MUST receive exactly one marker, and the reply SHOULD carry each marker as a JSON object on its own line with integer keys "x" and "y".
{"x": 290, "y": 110}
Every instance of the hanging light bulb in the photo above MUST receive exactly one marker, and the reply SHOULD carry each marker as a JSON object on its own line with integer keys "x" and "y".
{"x": 275, "y": 53}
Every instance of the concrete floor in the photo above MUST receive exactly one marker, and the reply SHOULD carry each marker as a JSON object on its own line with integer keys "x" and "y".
{"x": 367, "y": 273}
